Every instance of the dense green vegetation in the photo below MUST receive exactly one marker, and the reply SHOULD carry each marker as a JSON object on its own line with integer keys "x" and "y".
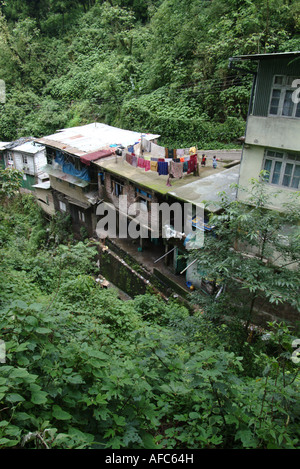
{"x": 157, "y": 65}
{"x": 81, "y": 368}
{"x": 253, "y": 254}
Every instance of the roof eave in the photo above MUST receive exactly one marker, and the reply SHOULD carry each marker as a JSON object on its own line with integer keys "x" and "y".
{"x": 265, "y": 56}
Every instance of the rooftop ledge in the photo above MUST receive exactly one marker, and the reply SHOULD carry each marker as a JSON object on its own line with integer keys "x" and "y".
{"x": 190, "y": 188}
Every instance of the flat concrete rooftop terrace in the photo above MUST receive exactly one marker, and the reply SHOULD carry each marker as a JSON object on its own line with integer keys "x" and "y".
{"x": 151, "y": 179}
{"x": 189, "y": 188}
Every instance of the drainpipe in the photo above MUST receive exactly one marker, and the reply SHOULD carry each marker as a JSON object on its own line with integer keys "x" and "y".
{"x": 254, "y": 74}
{"x": 250, "y": 108}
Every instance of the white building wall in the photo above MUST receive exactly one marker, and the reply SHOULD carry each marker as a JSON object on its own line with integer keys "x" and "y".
{"x": 250, "y": 168}
{"x": 40, "y": 160}
{"x": 28, "y": 166}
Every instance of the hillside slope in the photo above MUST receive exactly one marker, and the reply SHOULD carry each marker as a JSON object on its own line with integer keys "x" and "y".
{"x": 159, "y": 66}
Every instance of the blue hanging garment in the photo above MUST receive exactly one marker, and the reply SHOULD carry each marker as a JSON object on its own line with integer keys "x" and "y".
{"x": 163, "y": 168}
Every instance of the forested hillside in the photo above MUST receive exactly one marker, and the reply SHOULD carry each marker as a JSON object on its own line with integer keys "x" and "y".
{"x": 149, "y": 65}
{"x": 79, "y": 367}
{"x": 84, "y": 369}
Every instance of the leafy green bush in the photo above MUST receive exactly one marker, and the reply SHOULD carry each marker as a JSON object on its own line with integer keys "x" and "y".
{"x": 180, "y": 127}
{"x": 70, "y": 381}
{"x": 80, "y": 368}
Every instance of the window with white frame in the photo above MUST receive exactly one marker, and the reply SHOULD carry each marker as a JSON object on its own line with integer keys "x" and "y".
{"x": 25, "y": 159}
{"x": 62, "y": 206}
{"x": 81, "y": 216}
{"x": 283, "y": 102}
{"x": 283, "y": 169}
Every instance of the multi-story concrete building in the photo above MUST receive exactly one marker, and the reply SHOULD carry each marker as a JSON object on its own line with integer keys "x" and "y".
{"x": 73, "y": 177}
{"x": 91, "y": 167}
{"x": 272, "y": 138}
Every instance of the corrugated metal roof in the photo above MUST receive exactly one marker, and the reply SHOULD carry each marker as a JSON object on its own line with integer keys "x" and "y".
{"x": 92, "y": 137}
{"x": 29, "y": 147}
{"x": 265, "y": 56}
{"x": 18, "y": 142}
{"x": 60, "y": 146}
{"x": 3, "y": 145}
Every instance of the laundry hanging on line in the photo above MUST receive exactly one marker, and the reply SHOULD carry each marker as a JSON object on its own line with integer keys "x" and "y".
{"x": 192, "y": 164}
{"x": 154, "y": 165}
{"x": 176, "y": 169}
{"x": 141, "y": 163}
{"x": 163, "y": 168}
{"x": 165, "y": 161}
{"x": 170, "y": 153}
{"x": 134, "y": 161}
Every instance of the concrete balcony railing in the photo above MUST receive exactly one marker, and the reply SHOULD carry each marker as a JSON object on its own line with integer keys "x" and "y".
{"x": 275, "y": 132}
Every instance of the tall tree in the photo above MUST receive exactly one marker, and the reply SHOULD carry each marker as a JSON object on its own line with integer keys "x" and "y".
{"x": 255, "y": 249}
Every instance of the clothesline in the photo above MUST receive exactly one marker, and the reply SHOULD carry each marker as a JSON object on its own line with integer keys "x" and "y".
{"x": 164, "y": 166}
{"x": 164, "y": 161}
{"x": 163, "y": 152}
